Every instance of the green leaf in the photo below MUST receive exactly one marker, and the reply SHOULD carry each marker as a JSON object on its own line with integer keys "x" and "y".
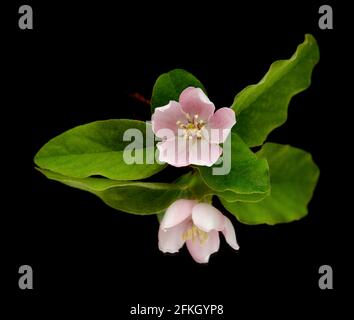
{"x": 248, "y": 178}
{"x": 293, "y": 177}
{"x": 248, "y": 197}
{"x": 169, "y": 86}
{"x": 263, "y": 107}
{"x": 98, "y": 148}
{"x": 141, "y": 198}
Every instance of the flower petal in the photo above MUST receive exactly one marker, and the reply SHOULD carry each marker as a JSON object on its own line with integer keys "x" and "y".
{"x": 203, "y": 153}
{"x": 201, "y": 252}
{"x": 222, "y": 120}
{"x": 177, "y": 212}
{"x": 207, "y": 218}
{"x": 171, "y": 240}
{"x": 166, "y": 117}
{"x": 174, "y": 152}
{"x": 194, "y": 101}
{"x": 230, "y": 234}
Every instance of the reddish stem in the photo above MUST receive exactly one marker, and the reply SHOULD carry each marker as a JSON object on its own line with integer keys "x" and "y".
{"x": 139, "y": 97}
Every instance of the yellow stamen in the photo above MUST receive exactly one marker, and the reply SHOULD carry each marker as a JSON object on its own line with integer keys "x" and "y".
{"x": 193, "y": 128}
{"x": 195, "y": 233}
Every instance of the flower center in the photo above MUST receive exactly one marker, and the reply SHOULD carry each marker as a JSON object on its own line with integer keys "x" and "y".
{"x": 193, "y": 128}
{"x": 195, "y": 233}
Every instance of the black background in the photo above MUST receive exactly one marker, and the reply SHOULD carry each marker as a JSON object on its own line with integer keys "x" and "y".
{"x": 81, "y": 64}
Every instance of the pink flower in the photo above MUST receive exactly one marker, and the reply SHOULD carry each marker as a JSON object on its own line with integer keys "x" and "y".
{"x": 190, "y": 130}
{"x": 197, "y": 225}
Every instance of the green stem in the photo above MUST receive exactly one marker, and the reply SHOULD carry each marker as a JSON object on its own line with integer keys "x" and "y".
{"x": 198, "y": 188}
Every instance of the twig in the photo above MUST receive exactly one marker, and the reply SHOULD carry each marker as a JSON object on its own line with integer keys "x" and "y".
{"x": 139, "y": 97}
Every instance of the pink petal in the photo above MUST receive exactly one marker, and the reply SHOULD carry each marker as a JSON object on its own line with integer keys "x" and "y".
{"x": 194, "y": 101}
{"x": 174, "y": 152}
{"x": 166, "y": 118}
{"x": 171, "y": 240}
{"x": 207, "y": 218}
{"x": 177, "y": 212}
{"x": 230, "y": 235}
{"x": 201, "y": 252}
{"x": 203, "y": 153}
{"x": 224, "y": 119}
